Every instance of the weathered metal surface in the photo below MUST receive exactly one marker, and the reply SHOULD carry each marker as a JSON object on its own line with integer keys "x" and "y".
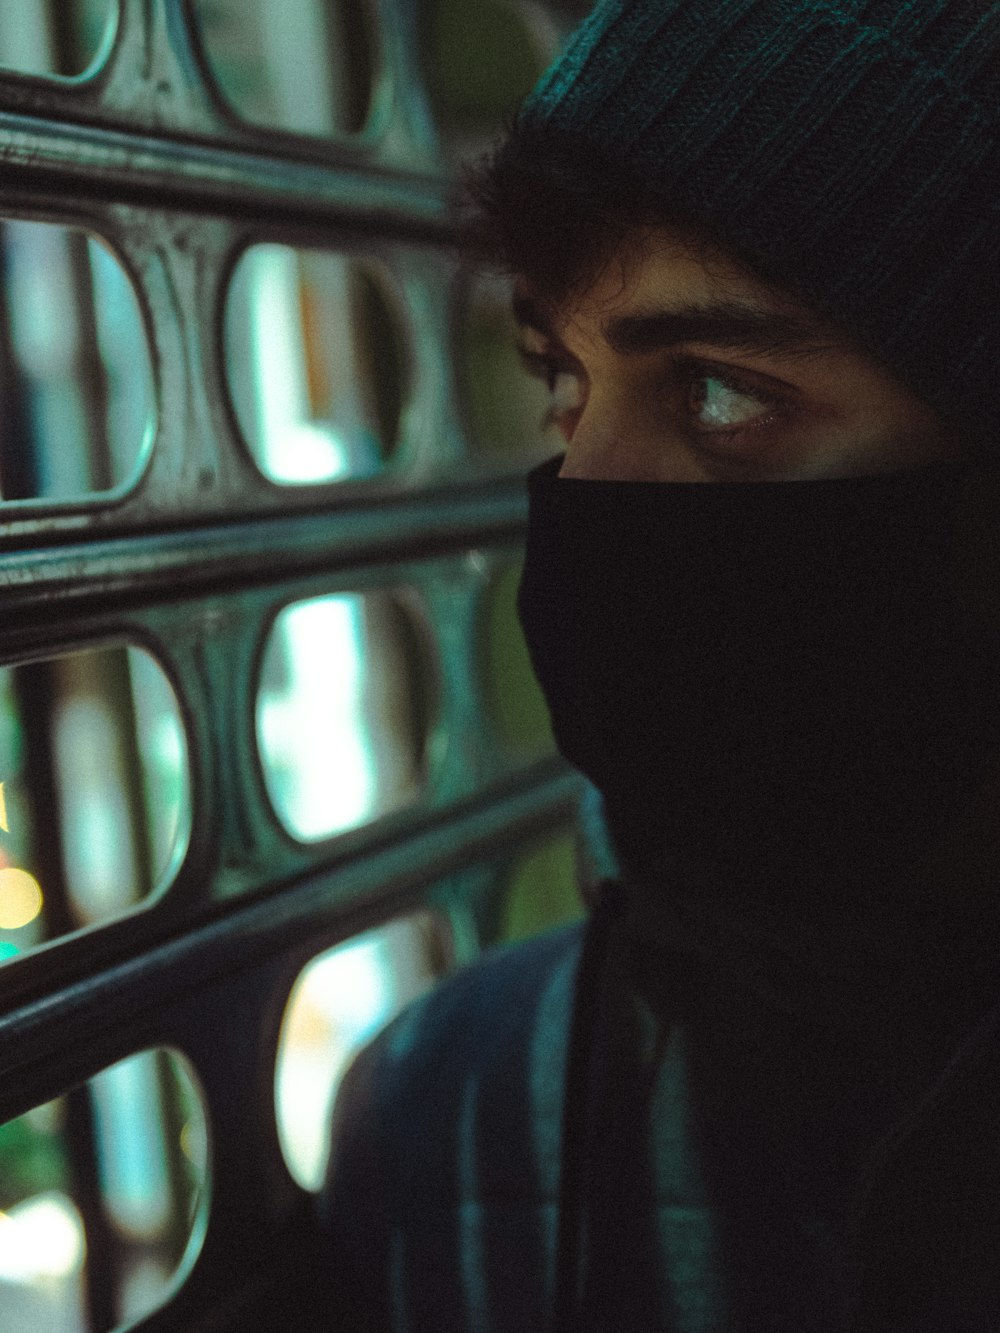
{"x": 197, "y": 556}
{"x": 56, "y": 1036}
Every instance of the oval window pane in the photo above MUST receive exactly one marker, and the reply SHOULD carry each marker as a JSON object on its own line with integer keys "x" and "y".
{"x": 339, "y": 1002}
{"x": 77, "y": 388}
{"x": 305, "y": 66}
{"x": 40, "y": 37}
{"x": 94, "y": 791}
{"x": 138, "y": 1130}
{"x": 345, "y": 711}
{"x": 316, "y": 363}
{"x": 479, "y": 61}
{"x": 515, "y": 704}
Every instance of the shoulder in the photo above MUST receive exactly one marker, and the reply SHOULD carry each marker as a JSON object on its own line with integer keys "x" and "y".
{"x": 483, "y": 1013}
{"x": 486, "y": 1048}
{"x": 445, "y": 1147}
{"x": 486, "y": 1022}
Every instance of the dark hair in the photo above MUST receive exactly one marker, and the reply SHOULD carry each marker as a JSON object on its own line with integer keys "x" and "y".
{"x": 546, "y": 206}
{"x": 801, "y": 167}
{"x": 543, "y": 206}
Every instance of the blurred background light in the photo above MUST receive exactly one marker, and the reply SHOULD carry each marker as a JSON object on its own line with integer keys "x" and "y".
{"x": 315, "y": 362}
{"x": 339, "y": 1001}
{"x": 145, "y": 1153}
{"x": 302, "y": 66}
{"x": 344, "y": 712}
{"x": 114, "y": 816}
{"x": 41, "y": 1239}
{"x": 20, "y": 898}
{"x": 78, "y": 390}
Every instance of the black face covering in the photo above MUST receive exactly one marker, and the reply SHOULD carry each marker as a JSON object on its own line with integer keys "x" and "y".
{"x": 781, "y": 680}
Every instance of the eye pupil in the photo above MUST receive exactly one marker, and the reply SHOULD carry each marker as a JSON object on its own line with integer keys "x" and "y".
{"x": 698, "y": 394}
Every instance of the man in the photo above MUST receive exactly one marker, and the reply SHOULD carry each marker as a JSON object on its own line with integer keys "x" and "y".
{"x": 756, "y": 259}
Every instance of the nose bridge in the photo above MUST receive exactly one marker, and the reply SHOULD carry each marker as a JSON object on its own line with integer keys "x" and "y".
{"x": 611, "y": 440}
{"x": 598, "y": 446}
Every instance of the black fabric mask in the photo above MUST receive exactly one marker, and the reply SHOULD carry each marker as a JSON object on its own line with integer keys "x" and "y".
{"x": 785, "y": 680}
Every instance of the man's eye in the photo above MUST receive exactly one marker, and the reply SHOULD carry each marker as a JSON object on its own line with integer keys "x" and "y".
{"x": 715, "y": 405}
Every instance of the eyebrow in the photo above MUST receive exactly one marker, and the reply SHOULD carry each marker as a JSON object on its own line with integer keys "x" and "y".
{"x": 734, "y": 325}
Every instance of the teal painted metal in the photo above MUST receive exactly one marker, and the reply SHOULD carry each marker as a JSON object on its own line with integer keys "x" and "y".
{"x": 196, "y": 559}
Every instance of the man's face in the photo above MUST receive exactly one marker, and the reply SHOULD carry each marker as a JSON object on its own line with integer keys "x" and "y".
{"x": 677, "y": 365}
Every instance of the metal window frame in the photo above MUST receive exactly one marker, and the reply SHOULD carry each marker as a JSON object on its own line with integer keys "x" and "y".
{"x": 194, "y": 562}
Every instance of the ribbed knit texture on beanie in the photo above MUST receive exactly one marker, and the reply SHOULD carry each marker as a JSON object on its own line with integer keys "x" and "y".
{"x": 847, "y": 148}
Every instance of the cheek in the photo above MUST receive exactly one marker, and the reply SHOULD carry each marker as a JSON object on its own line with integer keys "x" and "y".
{"x": 879, "y": 421}
{"x": 913, "y": 431}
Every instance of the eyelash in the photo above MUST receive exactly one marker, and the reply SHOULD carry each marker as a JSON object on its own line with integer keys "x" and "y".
{"x": 684, "y": 372}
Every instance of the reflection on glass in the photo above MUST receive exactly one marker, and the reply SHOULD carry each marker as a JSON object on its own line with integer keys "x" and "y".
{"x": 62, "y": 37}
{"x": 75, "y": 378}
{"x": 74, "y": 1260}
{"x": 505, "y": 407}
{"x": 515, "y": 704}
{"x": 315, "y": 363}
{"x": 338, "y": 1004}
{"x": 94, "y": 794}
{"x": 298, "y": 65}
{"x": 343, "y": 712}
{"x": 20, "y": 898}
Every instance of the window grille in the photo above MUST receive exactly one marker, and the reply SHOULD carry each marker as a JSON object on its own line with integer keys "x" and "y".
{"x": 153, "y": 171}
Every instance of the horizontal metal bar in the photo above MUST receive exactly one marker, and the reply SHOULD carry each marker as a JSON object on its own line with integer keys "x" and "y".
{"x": 45, "y": 156}
{"x": 373, "y": 529}
{"x": 65, "y": 1028}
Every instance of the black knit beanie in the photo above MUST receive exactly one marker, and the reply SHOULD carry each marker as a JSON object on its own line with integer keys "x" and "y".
{"x": 846, "y": 149}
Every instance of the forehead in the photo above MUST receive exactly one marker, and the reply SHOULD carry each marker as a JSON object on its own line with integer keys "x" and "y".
{"x": 659, "y": 261}
{"x": 662, "y": 261}
{"x": 659, "y": 286}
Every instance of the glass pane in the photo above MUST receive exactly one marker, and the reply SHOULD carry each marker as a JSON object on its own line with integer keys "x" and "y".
{"x": 49, "y": 37}
{"x": 99, "y": 1194}
{"x": 542, "y": 890}
{"x": 479, "y": 61}
{"x": 94, "y": 794}
{"x": 345, "y": 711}
{"x": 298, "y": 65}
{"x": 316, "y": 363}
{"x": 75, "y": 378}
{"x": 515, "y": 703}
{"x": 505, "y": 408}
{"x": 337, "y": 1005}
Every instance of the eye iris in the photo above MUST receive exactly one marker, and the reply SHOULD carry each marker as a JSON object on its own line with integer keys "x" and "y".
{"x": 716, "y": 404}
